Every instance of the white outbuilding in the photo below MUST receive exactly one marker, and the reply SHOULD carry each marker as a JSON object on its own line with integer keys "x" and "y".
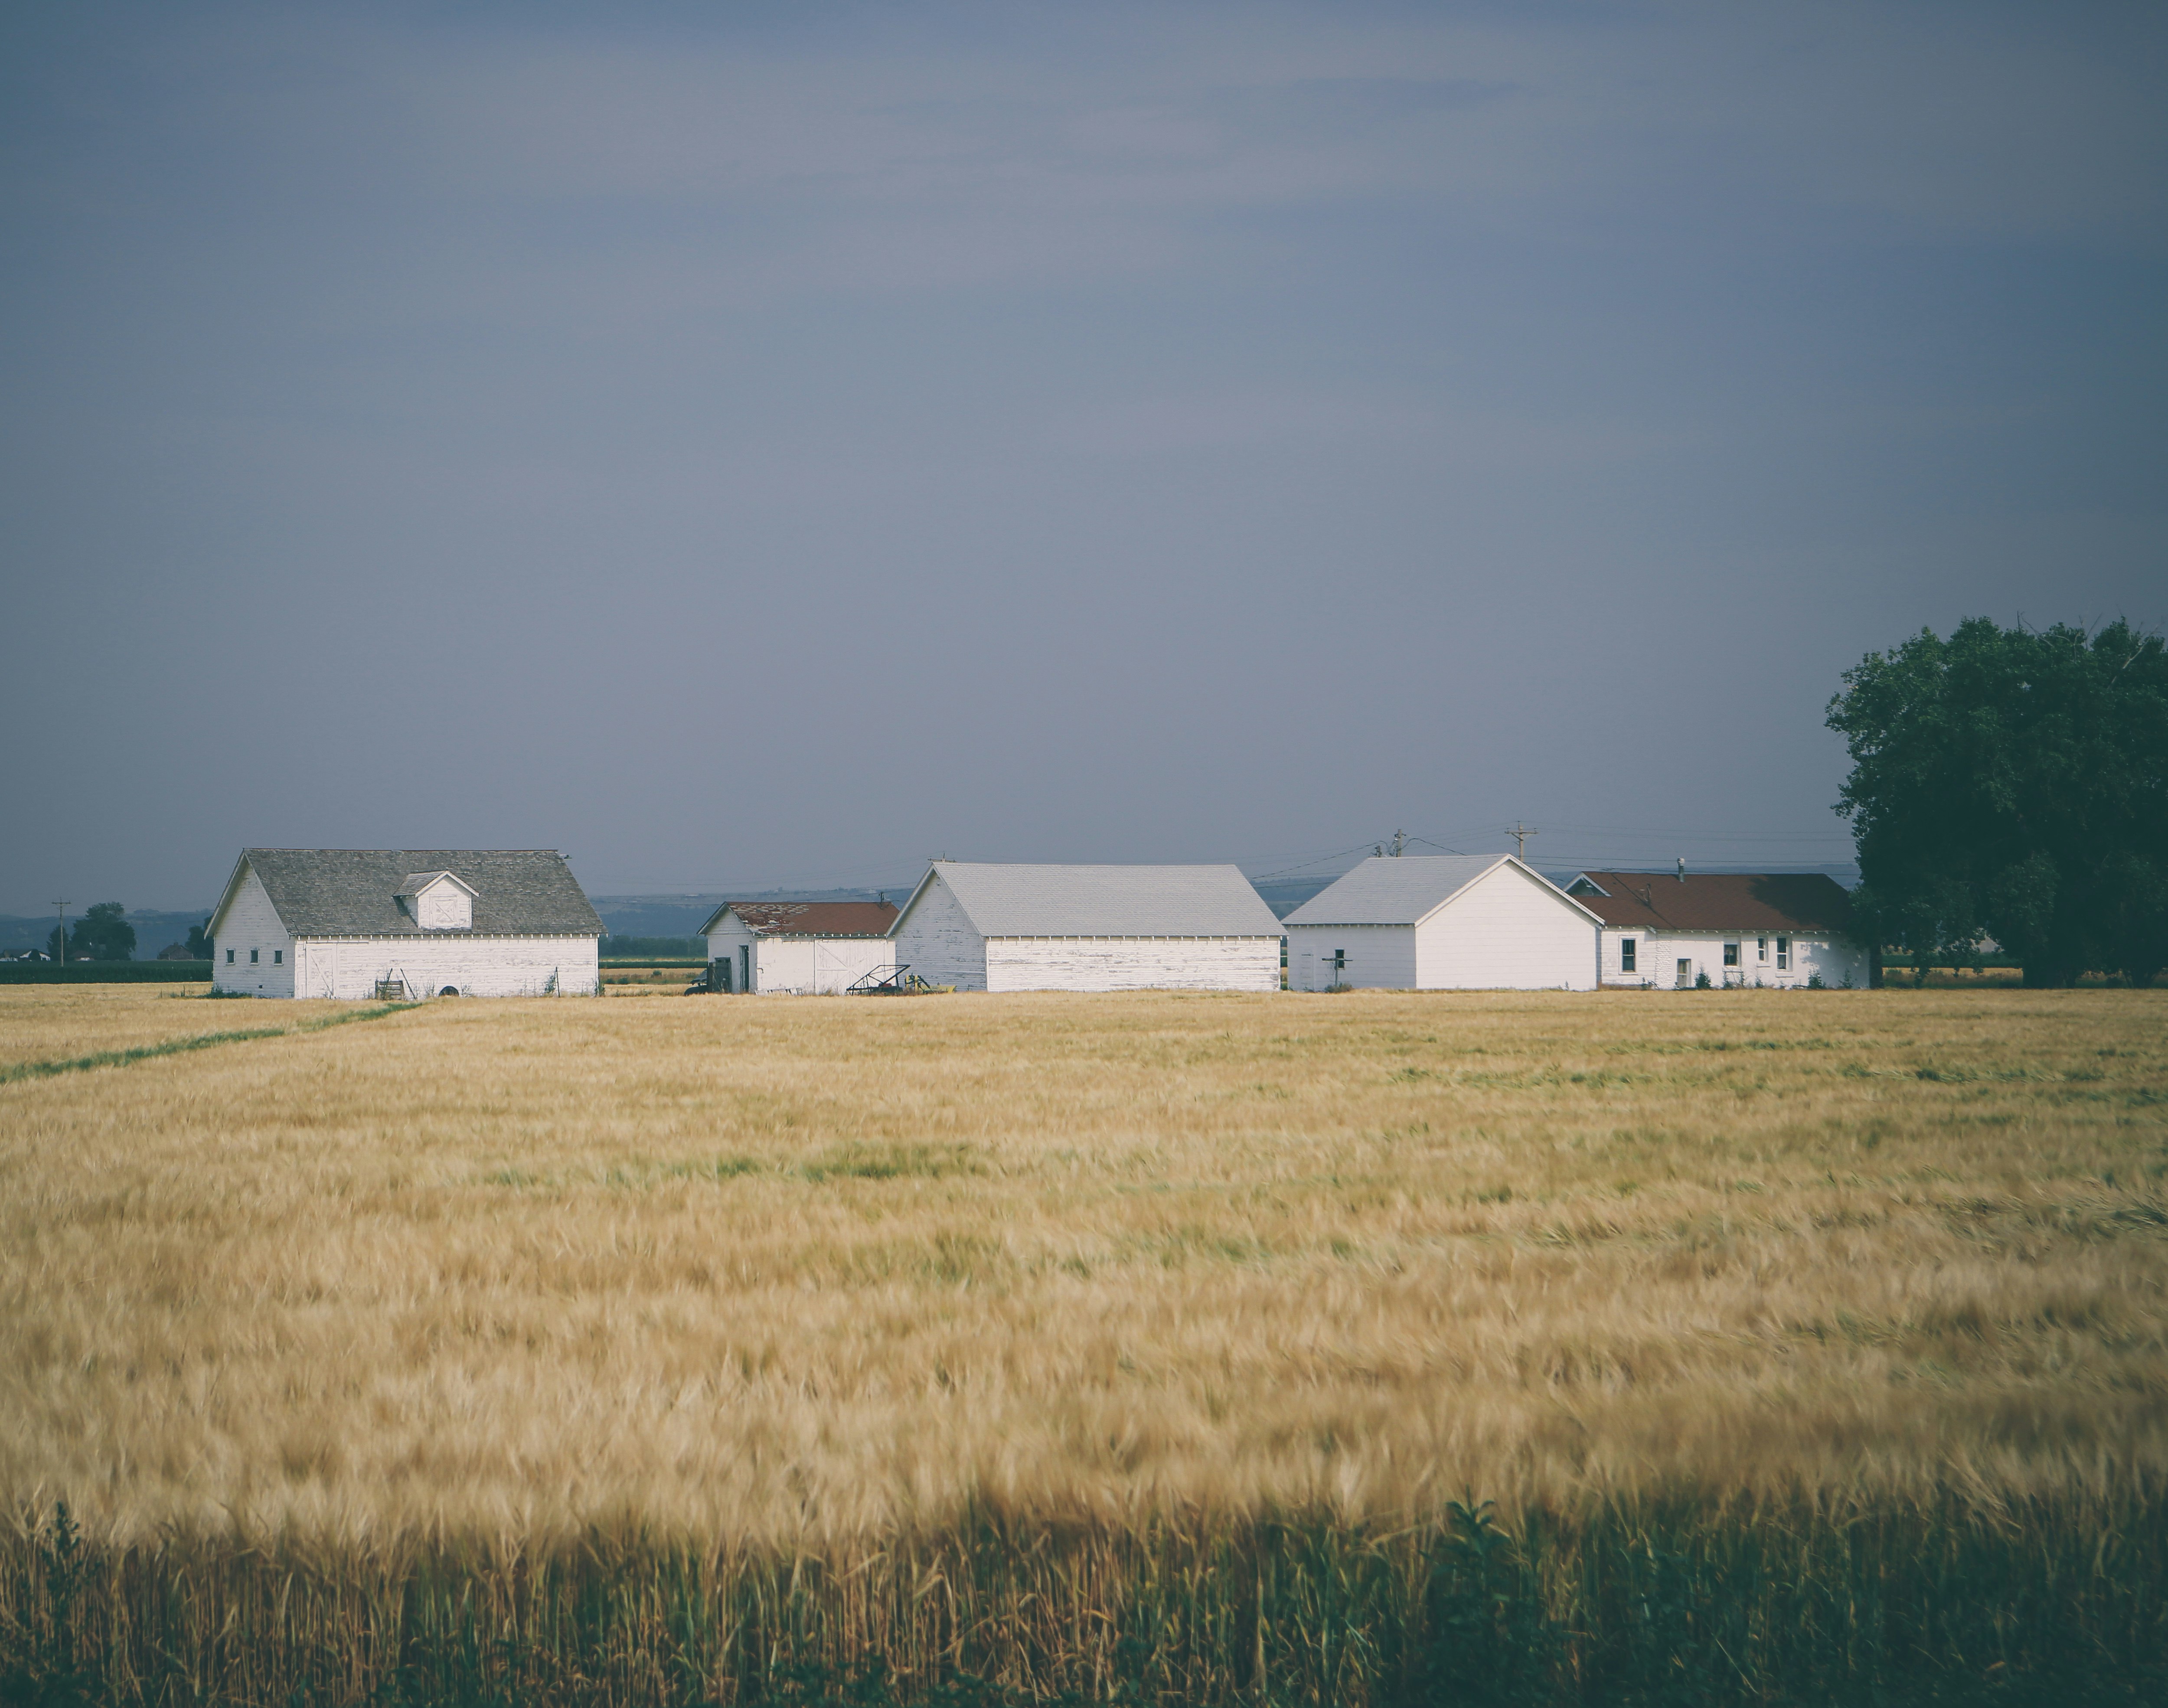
{"x": 1441, "y": 922}
{"x": 371, "y": 922}
{"x": 1046, "y": 927}
{"x": 798, "y": 948}
{"x": 1668, "y": 931}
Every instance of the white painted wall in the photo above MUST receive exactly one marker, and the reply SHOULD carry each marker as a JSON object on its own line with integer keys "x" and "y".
{"x": 1658, "y": 953}
{"x": 1132, "y": 963}
{"x": 349, "y": 967}
{"x": 1379, "y": 957}
{"x": 251, "y": 927}
{"x": 1508, "y": 930}
{"x": 800, "y": 966}
{"x": 939, "y": 943}
{"x": 724, "y": 944}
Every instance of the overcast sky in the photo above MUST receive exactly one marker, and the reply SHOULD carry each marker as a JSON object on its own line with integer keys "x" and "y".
{"x": 747, "y": 444}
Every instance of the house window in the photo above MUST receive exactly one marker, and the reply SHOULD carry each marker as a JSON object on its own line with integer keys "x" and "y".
{"x": 1339, "y": 961}
{"x": 1784, "y": 952}
{"x": 1731, "y": 954}
{"x": 229, "y": 957}
{"x": 251, "y": 957}
{"x": 1760, "y": 949}
{"x": 277, "y": 957}
{"x": 1626, "y": 955}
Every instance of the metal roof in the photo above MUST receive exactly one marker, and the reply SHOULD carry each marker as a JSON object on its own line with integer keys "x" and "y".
{"x": 1033, "y": 900}
{"x": 807, "y": 918}
{"x": 1402, "y": 890}
{"x": 1760, "y": 902}
{"x": 354, "y": 891}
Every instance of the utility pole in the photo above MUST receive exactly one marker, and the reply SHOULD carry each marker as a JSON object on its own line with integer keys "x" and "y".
{"x": 1400, "y": 842}
{"x": 61, "y": 907}
{"x": 1521, "y": 832}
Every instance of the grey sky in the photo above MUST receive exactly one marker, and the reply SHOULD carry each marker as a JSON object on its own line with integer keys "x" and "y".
{"x": 743, "y": 446}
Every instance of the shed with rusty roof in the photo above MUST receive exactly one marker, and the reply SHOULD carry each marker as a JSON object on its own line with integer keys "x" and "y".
{"x": 354, "y": 922}
{"x": 798, "y": 948}
{"x": 1669, "y": 930}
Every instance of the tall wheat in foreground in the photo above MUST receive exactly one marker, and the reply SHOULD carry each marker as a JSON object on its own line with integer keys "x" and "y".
{"x": 1337, "y": 1347}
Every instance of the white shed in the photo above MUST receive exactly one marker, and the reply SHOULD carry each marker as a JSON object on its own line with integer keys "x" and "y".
{"x": 1669, "y": 930}
{"x": 1443, "y": 922}
{"x": 1034, "y": 927}
{"x": 798, "y": 948}
{"x": 354, "y": 922}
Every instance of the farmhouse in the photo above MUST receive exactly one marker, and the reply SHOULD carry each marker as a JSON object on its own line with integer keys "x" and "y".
{"x": 798, "y": 948}
{"x": 1441, "y": 922}
{"x": 1043, "y": 928}
{"x": 354, "y": 922}
{"x": 1669, "y": 929}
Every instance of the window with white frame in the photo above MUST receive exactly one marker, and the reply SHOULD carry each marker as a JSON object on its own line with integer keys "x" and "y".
{"x": 1783, "y": 954}
{"x": 1731, "y": 954}
{"x": 1760, "y": 949}
{"x": 1626, "y": 955}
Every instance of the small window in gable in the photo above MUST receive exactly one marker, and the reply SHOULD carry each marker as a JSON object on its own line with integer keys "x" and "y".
{"x": 251, "y": 957}
{"x": 229, "y": 957}
{"x": 277, "y": 957}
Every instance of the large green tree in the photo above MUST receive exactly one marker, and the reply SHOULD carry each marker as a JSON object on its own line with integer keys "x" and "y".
{"x": 2013, "y": 782}
{"x": 102, "y": 934}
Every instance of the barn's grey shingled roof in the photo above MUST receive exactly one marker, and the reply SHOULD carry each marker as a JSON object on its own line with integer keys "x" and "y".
{"x": 1386, "y": 890}
{"x": 352, "y": 892}
{"x": 1033, "y": 900}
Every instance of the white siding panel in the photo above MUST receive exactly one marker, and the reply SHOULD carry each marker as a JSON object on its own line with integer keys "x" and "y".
{"x": 939, "y": 943}
{"x": 840, "y": 962}
{"x": 348, "y": 968}
{"x": 1133, "y": 963}
{"x": 1379, "y": 957}
{"x": 250, "y": 925}
{"x": 724, "y": 944}
{"x": 1507, "y": 931}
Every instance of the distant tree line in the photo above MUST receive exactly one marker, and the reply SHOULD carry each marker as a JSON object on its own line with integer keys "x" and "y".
{"x": 104, "y": 934}
{"x": 2013, "y": 784}
{"x": 666, "y": 948}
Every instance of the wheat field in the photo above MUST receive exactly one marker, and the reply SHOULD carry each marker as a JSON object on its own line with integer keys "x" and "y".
{"x": 763, "y": 1281}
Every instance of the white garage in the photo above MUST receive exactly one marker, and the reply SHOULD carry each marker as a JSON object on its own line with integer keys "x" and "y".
{"x": 365, "y": 922}
{"x": 1051, "y": 928}
{"x": 797, "y": 947}
{"x": 1443, "y": 922}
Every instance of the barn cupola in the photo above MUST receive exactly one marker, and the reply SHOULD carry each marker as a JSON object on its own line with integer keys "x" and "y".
{"x": 438, "y": 901}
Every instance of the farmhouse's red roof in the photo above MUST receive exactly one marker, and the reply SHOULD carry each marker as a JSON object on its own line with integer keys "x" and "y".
{"x": 1758, "y": 901}
{"x": 815, "y": 918}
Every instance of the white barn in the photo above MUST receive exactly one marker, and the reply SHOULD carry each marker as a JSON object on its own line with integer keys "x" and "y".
{"x": 1668, "y": 930}
{"x": 1443, "y": 922}
{"x": 1047, "y": 927}
{"x": 355, "y": 923}
{"x": 798, "y": 948}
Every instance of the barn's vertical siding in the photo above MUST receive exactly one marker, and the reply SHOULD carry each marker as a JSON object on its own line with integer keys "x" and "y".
{"x": 937, "y": 942}
{"x": 1379, "y": 957}
{"x": 1132, "y": 963}
{"x": 725, "y": 942}
{"x": 350, "y": 967}
{"x": 1508, "y": 930}
{"x": 250, "y": 925}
